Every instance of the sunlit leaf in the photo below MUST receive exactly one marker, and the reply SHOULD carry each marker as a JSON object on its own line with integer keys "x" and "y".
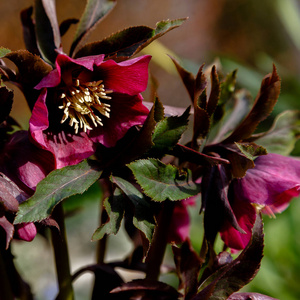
{"x": 4, "y": 51}
{"x": 58, "y": 185}
{"x": 161, "y": 182}
{"x": 281, "y": 138}
{"x": 143, "y": 213}
{"x": 115, "y": 209}
{"x": 94, "y": 11}
{"x": 168, "y": 132}
{"x": 263, "y": 106}
{"x": 47, "y": 29}
{"x": 128, "y": 42}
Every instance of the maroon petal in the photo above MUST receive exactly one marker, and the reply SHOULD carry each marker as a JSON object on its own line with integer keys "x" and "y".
{"x": 180, "y": 224}
{"x": 24, "y": 163}
{"x": 245, "y": 214}
{"x": 25, "y": 231}
{"x": 67, "y": 148}
{"x": 273, "y": 182}
{"x": 126, "y": 111}
{"x": 62, "y": 61}
{"x": 129, "y": 77}
{"x": 39, "y": 119}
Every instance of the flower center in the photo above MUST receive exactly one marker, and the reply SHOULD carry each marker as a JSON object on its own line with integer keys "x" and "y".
{"x": 82, "y": 101}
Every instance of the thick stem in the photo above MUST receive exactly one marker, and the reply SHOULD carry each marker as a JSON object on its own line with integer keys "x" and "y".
{"x": 159, "y": 241}
{"x": 61, "y": 255}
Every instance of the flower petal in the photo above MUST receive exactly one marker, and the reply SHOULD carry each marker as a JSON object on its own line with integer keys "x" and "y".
{"x": 126, "y": 111}
{"x": 67, "y": 148}
{"x": 129, "y": 77}
{"x": 274, "y": 181}
{"x": 63, "y": 62}
{"x": 245, "y": 214}
{"x": 25, "y": 231}
{"x": 180, "y": 223}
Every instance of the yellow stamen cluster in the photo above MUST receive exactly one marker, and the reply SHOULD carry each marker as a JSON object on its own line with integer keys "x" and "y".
{"x": 81, "y": 100}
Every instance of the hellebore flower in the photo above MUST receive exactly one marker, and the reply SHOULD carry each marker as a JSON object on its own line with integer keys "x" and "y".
{"x": 270, "y": 186}
{"x": 86, "y": 101}
{"x": 22, "y": 166}
{"x": 180, "y": 223}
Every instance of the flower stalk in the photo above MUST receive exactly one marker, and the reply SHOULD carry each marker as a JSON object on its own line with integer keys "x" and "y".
{"x": 61, "y": 255}
{"x": 159, "y": 242}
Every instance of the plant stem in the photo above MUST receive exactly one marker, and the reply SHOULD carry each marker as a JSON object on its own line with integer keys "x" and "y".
{"x": 61, "y": 254}
{"x": 159, "y": 241}
{"x": 5, "y": 284}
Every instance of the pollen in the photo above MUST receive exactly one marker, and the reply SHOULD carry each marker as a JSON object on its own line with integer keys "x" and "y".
{"x": 84, "y": 103}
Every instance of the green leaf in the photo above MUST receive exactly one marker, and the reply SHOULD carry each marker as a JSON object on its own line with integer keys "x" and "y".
{"x": 214, "y": 93}
{"x": 161, "y": 182}
{"x": 251, "y": 150}
{"x": 143, "y": 212}
{"x": 168, "y": 132}
{"x": 128, "y": 42}
{"x": 115, "y": 208}
{"x": 94, "y": 11}
{"x": 4, "y": 51}
{"x": 263, "y": 106}
{"x": 235, "y": 275}
{"x": 58, "y": 185}
{"x": 281, "y": 138}
{"x": 227, "y": 87}
{"x": 47, "y": 29}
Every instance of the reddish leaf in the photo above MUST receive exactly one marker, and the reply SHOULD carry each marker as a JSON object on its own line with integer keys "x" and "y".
{"x": 250, "y": 296}
{"x": 10, "y": 194}
{"x": 29, "y": 30}
{"x": 145, "y": 289}
{"x": 6, "y": 101}
{"x": 8, "y": 228}
{"x": 187, "y": 78}
{"x": 65, "y": 25}
{"x": 215, "y": 202}
{"x": 238, "y": 273}
{"x": 188, "y": 264}
{"x": 94, "y": 12}
{"x": 263, "y": 106}
{"x": 201, "y": 126}
{"x": 188, "y": 154}
{"x": 214, "y": 93}
{"x": 128, "y": 42}
{"x": 106, "y": 279}
{"x": 31, "y": 70}
{"x": 47, "y": 29}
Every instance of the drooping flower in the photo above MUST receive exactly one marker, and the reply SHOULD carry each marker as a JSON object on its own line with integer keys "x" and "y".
{"x": 269, "y": 186}
{"x": 86, "y": 101}
{"x": 179, "y": 229}
{"x": 22, "y": 167}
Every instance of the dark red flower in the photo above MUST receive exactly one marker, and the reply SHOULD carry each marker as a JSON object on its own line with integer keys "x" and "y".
{"x": 22, "y": 167}
{"x": 86, "y": 101}
{"x": 269, "y": 186}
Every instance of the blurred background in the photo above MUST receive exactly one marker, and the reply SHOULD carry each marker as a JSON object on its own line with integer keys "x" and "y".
{"x": 247, "y": 35}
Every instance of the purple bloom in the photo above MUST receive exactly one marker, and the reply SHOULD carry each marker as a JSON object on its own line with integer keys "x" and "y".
{"x": 180, "y": 223}
{"x": 22, "y": 167}
{"x": 270, "y": 186}
{"x": 86, "y": 101}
